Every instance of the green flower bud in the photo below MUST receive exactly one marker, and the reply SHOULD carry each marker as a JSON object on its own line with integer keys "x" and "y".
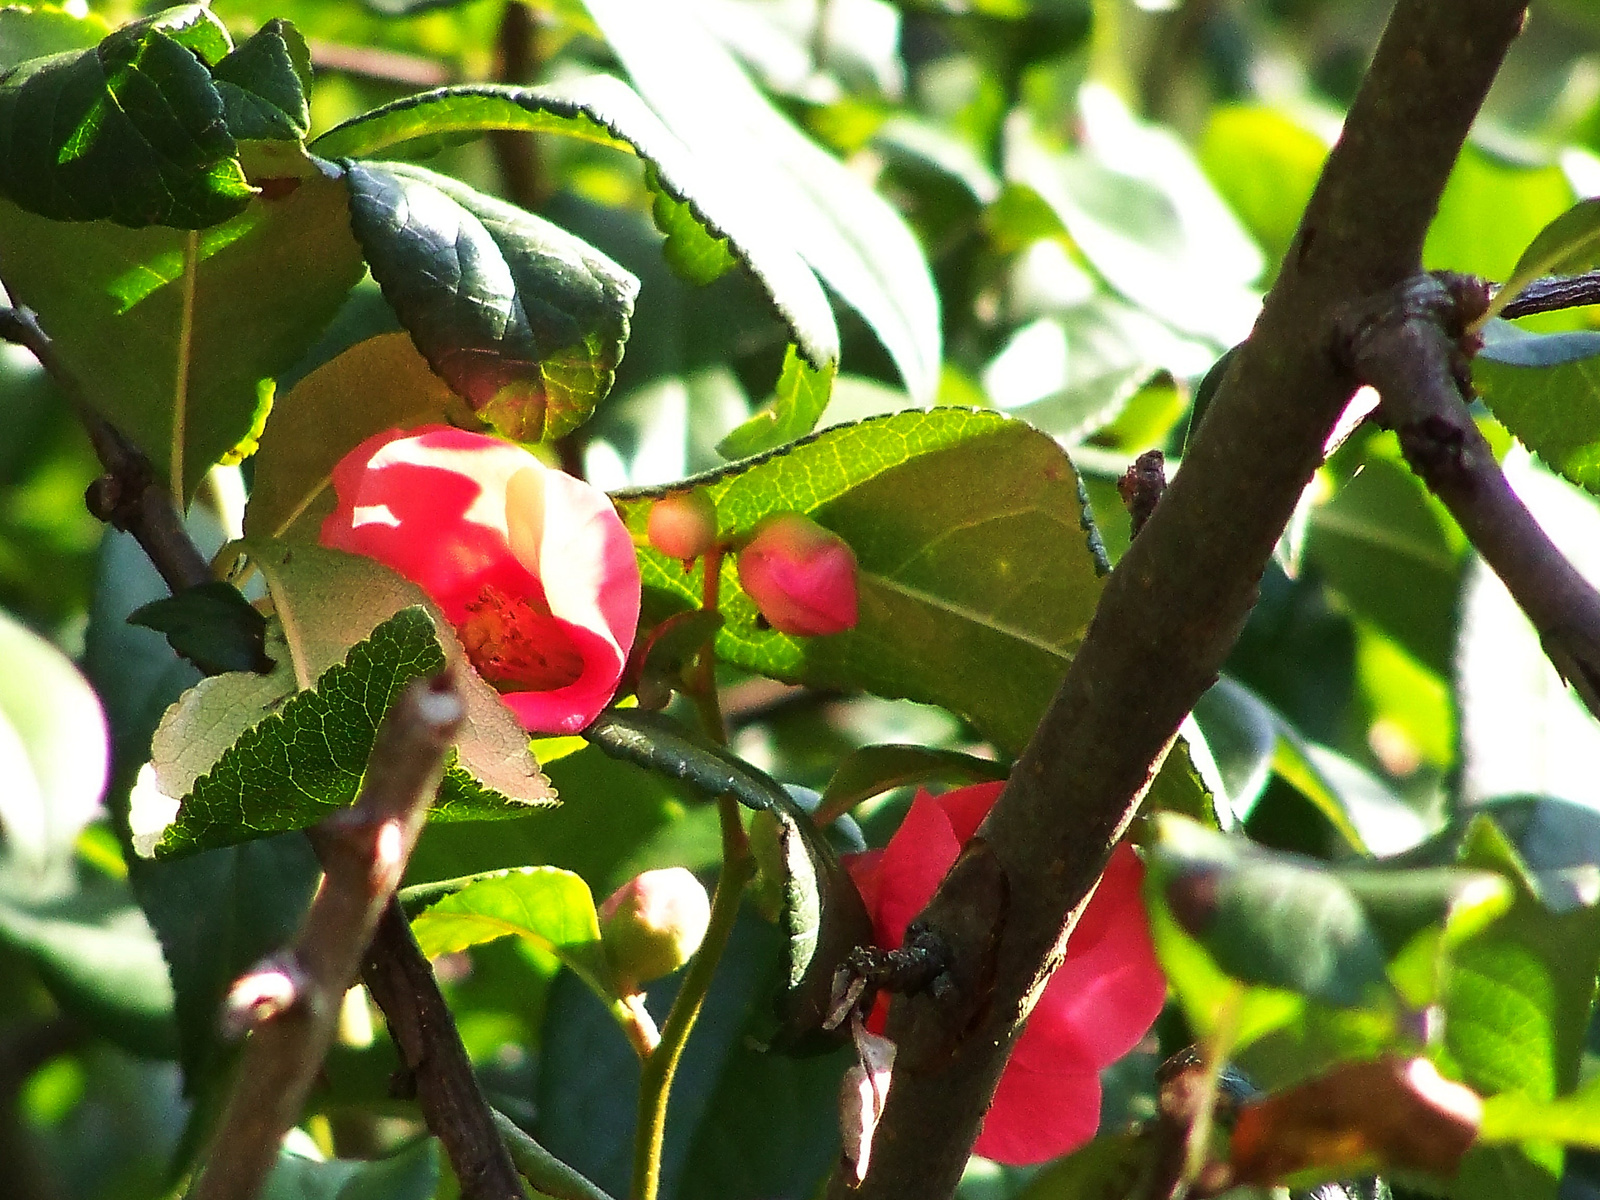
{"x": 652, "y": 925}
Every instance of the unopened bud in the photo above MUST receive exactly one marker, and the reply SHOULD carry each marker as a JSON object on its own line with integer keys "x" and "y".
{"x": 653, "y": 924}
{"x": 801, "y": 576}
{"x": 683, "y": 525}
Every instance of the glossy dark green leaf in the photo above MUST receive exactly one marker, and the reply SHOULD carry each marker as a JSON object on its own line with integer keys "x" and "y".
{"x": 211, "y": 625}
{"x": 605, "y": 110}
{"x": 792, "y": 413}
{"x": 523, "y": 320}
{"x": 187, "y": 388}
{"x": 94, "y": 950}
{"x": 1545, "y": 388}
{"x": 131, "y": 131}
{"x": 265, "y": 85}
{"x": 823, "y": 914}
{"x": 977, "y": 574}
{"x": 848, "y": 234}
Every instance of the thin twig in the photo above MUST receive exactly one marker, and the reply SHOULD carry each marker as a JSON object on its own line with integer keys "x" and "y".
{"x": 363, "y": 850}
{"x": 1174, "y": 605}
{"x": 389, "y": 66}
{"x": 1553, "y": 293}
{"x": 655, "y": 1082}
{"x": 402, "y": 983}
{"x": 547, "y": 1173}
{"x": 1407, "y": 346}
{"x": 516, "y": 152}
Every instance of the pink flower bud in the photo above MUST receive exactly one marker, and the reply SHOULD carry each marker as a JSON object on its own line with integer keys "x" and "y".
{"x": 801, "y": 576}
{"x": 653, "y": 924}
{"x": 683, "y": 525}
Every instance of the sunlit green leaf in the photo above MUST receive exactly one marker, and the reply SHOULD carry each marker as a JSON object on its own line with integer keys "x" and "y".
{"x": 794, "y": 411}
{"x": 604, "y": 110}
{"x": 160, "y": 347}
{"x": 1545, "y": 388}
{"x": 976, "y": 578}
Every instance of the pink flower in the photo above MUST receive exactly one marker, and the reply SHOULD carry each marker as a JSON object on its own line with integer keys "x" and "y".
{"x": 801, "y": 576}
{"x": 1097, "y": 1006}
{"x": 533, "y": 567}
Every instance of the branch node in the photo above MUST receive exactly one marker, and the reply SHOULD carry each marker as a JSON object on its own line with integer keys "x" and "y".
{"x": 276, "y": 985}
{"x": 1141, "y": 487}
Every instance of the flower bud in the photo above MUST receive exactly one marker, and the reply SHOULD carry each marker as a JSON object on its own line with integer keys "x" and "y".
{"x": 801, "y": 576}
{"x": 652, "y": 925}
{"x": 683, "y": 525}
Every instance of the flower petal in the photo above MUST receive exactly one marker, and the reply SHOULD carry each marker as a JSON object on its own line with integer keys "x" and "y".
{"x": 914, "y": 861}
{"x": 1039, "y": 1114}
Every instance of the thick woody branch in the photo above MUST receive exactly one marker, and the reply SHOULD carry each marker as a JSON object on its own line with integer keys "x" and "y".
{"x": 1175, "y": 604}
{"x": 1407, "y": 347}
{"x": 363, "y": 851}
{"x": 397, "y": 974}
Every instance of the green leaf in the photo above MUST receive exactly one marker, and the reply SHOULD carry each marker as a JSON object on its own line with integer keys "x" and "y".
{"x": 54, "y": 749}
{"x": 848, "y": 234}
{"x": 823, "y": 915}
{"x": 131, "y": 131}
{"x": 381, "y": 383}
{"x": 1393, "y": 553}
{"x": 793, "y": 412}
{"x": 1545, "y": 388}
{"x": 34, "y": 32}
{"x": 265, "y": 85}
{"x": 1324, "y": 960}
{"x": 871, "y": 770}
{"x": 94, "y": 950}
{"x": 114, "y": 301}
{"x": 1491, "y": 209}
{"x": 326, "y": 602}
{"x": 605, "y": 110}
{"x": 307, "y": 758}
{"x": 545, "y": 906}
{"x": 410, "y": 1174}
{"x": 520, "y": 318}
{"x": 1108, "y": 1168}
{"x": 1143, "y": 214}
{"x": 976, "y": 575}
{"x": 1516, "y": 1009}
{"x": 211, "y": 625}
{"x": 1522, "y": 728}
{"x": 1265, "y": 165}
{"x": 1569, "y": 245}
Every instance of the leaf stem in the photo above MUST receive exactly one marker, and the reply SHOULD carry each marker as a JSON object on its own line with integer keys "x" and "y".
{"x": 655, "y": 1083}
{"x": 180, "y": 398}
{"x": 702, "y": 689}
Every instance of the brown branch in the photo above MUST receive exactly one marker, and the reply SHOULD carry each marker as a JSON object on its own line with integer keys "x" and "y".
{"x": 363, "y": 851}
{"x": 402, "y": 983}
{"x": 370, "y": 62}
{"x": 1408, "y": 347}
{"x": 517, "y": 153}
{"x": 1553, "y": 293}
{"x": 1173, "y": 607}
{"x": 397, "y": 973}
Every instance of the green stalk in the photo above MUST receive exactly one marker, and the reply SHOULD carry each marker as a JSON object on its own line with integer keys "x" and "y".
{"x": 655, "y": 1082}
